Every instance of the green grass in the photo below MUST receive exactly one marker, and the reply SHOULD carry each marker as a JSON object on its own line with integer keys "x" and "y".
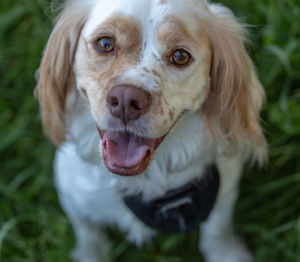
{"x": 32, "y": 225}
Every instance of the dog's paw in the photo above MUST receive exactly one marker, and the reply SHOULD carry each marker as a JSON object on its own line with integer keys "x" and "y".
{"x": 227, "y": 250}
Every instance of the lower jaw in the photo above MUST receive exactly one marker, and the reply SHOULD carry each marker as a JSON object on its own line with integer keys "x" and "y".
{"x": 129, "y": 171}
{"x": 126, "y": 171}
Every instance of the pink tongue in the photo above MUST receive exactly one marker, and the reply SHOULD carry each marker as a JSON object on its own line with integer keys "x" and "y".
{"x": 125, "y": 149}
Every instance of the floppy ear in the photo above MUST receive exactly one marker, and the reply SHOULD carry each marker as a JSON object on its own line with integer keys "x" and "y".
{"x": 233, "y": 104}
{"x": 55, "y": 76}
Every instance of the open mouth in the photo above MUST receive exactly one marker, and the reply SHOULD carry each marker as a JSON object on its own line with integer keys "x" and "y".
{"x": 127, "y": 154}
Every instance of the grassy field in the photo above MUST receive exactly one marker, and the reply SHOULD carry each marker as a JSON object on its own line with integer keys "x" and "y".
{"x": 32, "y": 225}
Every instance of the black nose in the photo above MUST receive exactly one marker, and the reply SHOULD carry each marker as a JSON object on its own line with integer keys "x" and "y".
{"x": 128, "y": 103}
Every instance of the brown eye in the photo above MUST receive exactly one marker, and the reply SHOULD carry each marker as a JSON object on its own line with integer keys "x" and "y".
{"x": 105, "y": 44}
{"x": 180, "y": 57}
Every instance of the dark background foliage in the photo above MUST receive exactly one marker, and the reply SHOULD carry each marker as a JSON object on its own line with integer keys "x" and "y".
{"x": 32, "y": 225}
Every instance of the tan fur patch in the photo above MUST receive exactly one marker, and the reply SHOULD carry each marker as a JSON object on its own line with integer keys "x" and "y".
{"x": 156, "y": 92}
{"x": 235, "y": 97}
{"x": 146, "y": 69}
{"x": 162, "y": 111}
{"x": 168, "y": 38}
{"x": 105, "y": 69}
{"x": 156, "y": 73}
{"x": 171, "y": 115}
{"x": 163, "y": 1}
{"x": 155, "y": 110}
{"x": 127, "y": 33}
{"x": 56, "y": 74}
{"x": 164, "y": 123}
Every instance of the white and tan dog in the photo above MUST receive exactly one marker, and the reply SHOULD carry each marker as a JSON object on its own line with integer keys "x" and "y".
{"x": 140, "y": 96}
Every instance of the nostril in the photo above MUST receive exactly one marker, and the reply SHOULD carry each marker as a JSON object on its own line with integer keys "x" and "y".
{"x": 135, "y": 105}
{"x": 113, "y": 101}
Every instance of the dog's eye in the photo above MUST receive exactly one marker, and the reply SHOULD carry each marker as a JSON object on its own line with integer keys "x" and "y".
{"x": 180, "y": 57}
{"x": 105, "y": 44}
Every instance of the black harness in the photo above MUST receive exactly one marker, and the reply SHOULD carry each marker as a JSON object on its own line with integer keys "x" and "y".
{"x": 181, "y": 209}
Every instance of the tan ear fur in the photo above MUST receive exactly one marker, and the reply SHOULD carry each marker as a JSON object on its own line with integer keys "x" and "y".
{"x": 233, "y": 104}
{"x": 55, "y": 77}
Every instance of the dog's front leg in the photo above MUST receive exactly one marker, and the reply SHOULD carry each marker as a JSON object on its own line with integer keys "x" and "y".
{"x": 91, "y": 243}
{"x": 218, "y": 241}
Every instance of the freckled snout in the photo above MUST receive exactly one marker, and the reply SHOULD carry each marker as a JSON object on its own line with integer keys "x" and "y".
{"x": 128, "y": 103}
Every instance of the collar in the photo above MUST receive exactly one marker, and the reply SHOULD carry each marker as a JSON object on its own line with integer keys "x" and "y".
{"x": 181, "y": 209}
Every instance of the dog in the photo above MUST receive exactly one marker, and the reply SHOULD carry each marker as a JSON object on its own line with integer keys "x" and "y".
{"x": 154, "y": 108}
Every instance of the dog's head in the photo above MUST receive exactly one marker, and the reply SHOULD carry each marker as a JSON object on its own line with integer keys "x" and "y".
{"x": 140, "y": 65}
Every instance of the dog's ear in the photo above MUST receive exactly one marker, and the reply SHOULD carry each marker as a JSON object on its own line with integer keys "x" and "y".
{"x": 233, "y": 104}
{"x": 55, "y": 74}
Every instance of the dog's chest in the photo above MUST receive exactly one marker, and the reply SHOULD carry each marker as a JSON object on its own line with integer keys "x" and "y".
{"x": 179, "y": 210}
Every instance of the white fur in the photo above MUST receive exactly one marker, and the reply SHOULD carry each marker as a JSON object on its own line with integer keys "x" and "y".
{"x": 91, "y": 195}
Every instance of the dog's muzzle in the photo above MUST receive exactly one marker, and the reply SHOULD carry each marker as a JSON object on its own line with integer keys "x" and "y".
{"x": 126, "y": 153}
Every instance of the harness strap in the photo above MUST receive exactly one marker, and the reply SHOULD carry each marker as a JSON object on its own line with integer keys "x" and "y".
{"x": 181, "y": 209}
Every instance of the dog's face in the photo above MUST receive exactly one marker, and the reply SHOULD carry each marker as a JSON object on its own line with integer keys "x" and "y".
{"x": 140, "y": 65}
